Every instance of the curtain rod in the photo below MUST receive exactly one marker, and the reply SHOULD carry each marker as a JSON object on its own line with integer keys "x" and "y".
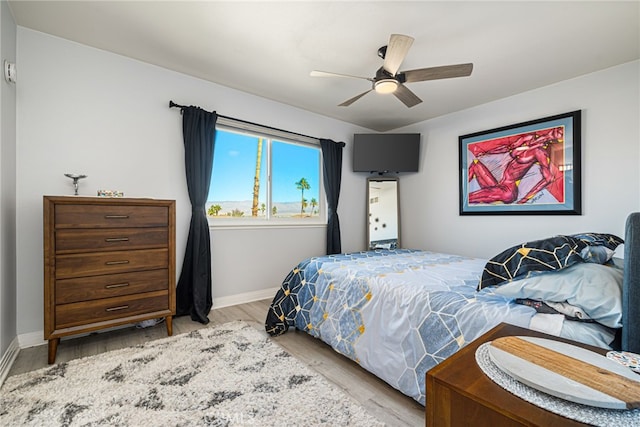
{"x": 173, "y": 104}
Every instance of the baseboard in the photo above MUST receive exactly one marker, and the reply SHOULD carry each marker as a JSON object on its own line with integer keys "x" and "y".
{"x": 33, "y": 339}
{"x": 244, "y": 298}
{"x": 8, "y": 358}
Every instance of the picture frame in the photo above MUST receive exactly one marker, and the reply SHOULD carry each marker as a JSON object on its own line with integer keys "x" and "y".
{"x": 528, "y": 168}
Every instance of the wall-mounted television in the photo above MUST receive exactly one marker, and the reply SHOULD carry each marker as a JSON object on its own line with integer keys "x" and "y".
{"x": 386, "y": 152}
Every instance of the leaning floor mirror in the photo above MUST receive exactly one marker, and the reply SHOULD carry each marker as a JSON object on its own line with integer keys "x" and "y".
{"x": 383, "y": 212}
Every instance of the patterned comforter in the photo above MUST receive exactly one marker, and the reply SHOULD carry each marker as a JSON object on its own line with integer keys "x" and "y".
{"x": 397, "y": 313}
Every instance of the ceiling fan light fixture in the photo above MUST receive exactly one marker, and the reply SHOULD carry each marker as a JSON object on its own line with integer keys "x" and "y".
{"x": 386, "y": 86}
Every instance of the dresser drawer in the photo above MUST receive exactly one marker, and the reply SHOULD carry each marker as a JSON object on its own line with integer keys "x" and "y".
{"x": 106, "y": 216}
{"x": 114, "y": 285}
{"x": 82, "y": 313}
{"x": 94, "y": 264}
{"x": 109, "y": 239}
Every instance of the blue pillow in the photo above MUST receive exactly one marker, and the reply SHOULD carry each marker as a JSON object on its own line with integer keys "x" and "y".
{"x": 596, "y": 289}
{"x": 551, "y": 254}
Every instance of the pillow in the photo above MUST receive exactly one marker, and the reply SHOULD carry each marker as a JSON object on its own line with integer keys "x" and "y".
{"x": 589, "y": 333}
{"x": 597, "y": 254}
{"x": 610, "y": 241}
{"x": 553, "y": 253}
{"x": 595, "y": 288}
{"x": 570, "y": 312}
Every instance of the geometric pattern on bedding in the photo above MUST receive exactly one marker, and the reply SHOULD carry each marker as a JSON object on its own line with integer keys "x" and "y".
{"x": 299, "y": 286}
{"x": 398, "y": 336}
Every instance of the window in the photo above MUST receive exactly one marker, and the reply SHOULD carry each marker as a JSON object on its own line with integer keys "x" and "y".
{"x": 263, "y": 179}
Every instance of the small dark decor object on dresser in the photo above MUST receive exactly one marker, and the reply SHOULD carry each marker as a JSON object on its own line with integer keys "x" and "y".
{"x": 107, "y": 262}
{"x": 75, "y": 177}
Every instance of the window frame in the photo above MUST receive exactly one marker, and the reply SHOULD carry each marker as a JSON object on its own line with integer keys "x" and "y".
{"x": 270, "y": 135}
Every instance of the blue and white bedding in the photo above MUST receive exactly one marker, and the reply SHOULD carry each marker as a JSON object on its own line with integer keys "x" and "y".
{"x": 400, "y": 312}
{"x": 395, "y": 312}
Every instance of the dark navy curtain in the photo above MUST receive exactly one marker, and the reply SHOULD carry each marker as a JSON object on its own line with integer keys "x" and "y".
{"x": 332, "y": 167}
{"x": 193, "y": 293}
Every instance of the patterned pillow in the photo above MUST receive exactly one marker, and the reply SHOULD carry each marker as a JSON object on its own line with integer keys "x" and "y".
{"x": 551, "y": 254}
{"x": 610, "y": 241}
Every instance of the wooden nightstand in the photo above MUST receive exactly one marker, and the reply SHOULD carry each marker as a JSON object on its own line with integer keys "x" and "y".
{"x": 460, "y": 394}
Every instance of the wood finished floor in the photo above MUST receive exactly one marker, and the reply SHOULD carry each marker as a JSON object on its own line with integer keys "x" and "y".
{"x": 381, "y": 400}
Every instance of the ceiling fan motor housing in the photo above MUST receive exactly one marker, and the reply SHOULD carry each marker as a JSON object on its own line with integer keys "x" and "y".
{"x": 383, "y": 74}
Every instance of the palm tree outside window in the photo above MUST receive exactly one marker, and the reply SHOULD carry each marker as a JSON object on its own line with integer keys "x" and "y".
{"x": 261, "y": 180}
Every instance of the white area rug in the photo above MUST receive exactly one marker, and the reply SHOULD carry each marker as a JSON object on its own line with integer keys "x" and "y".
{"x": 228, "y": 375}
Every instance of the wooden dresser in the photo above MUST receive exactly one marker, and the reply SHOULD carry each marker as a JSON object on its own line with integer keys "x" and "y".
{"x": 107, "y": 262}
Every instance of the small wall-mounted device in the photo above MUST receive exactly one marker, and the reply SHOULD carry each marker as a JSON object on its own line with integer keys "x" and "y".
{"x": 9, "y": 71}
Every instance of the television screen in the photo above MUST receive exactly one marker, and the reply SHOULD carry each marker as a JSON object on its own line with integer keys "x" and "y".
{"x": 397, "y": 152}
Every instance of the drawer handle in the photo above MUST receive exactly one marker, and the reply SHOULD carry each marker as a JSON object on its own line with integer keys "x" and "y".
{"x": 117, "y": 285}
{"x": 121, "y": 307}
{"x": 116, "y": 216}
{"x": 116, "y": 239}
{"x": 116, "y": 262}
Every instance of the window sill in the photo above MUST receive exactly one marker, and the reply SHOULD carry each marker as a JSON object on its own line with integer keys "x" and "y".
{"x": 265, "y": 225}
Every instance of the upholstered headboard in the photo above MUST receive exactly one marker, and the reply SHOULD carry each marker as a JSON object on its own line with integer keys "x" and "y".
{"x": 631, "y": 286}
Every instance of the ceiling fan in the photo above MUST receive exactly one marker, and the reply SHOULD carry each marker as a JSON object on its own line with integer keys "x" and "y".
{"x": 389, "y": 80}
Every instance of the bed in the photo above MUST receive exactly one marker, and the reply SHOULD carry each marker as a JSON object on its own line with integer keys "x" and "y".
{"x": 399, "y": 312}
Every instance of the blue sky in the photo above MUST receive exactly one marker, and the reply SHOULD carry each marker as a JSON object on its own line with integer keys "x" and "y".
{"x": 234, "y": 165}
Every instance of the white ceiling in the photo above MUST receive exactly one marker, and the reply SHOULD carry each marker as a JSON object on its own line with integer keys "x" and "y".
{"x": 268, "y": 48}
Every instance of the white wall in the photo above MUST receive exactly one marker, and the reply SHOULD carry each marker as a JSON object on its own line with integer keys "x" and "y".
{"x": 609, "y": 101}
{"x": 88, "y": 111}
{"x": 7, "y": 188}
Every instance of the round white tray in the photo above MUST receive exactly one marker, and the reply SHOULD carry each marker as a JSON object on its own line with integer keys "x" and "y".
{"x": 550, "y": 382}
{"x": 575, "y": 411}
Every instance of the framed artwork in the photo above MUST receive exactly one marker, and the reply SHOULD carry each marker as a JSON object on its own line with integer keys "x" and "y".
{"x": 529, "y": 168}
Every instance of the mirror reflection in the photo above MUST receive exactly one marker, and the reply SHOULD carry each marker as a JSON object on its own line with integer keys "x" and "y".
{"x": 383, "y": 212}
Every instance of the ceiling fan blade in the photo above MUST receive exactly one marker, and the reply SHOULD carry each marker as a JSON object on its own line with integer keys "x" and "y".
{"x": 435, "y": 73}
{"x": 354, "y": 99}
{"x": 407, "y": 97}
{"x": 397, "y": 50}
{"x": 316, "y": 73}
